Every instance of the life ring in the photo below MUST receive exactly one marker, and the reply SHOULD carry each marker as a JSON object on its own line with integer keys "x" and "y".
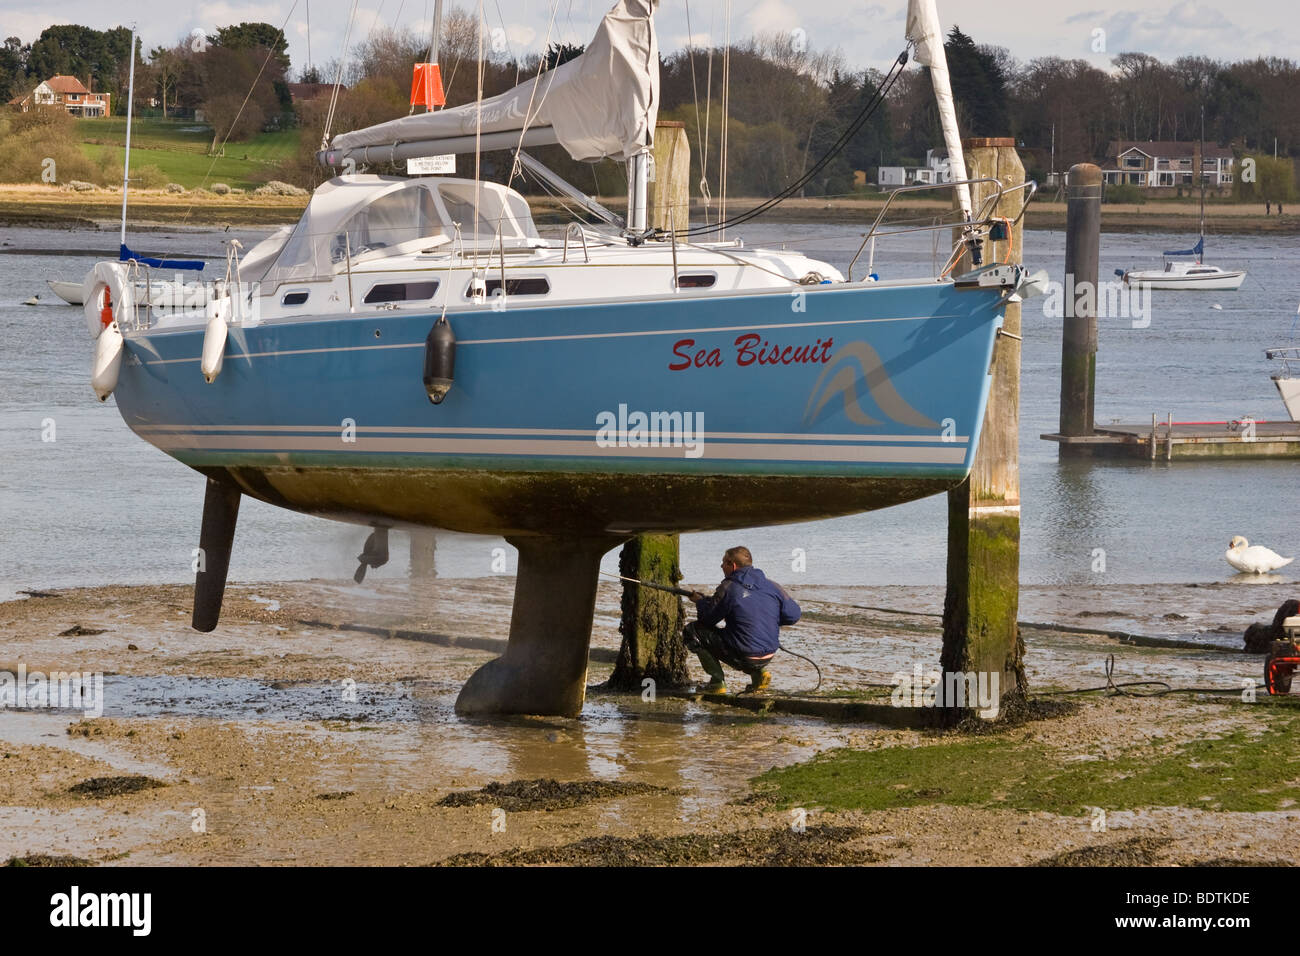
{"x": 107, "y": 296}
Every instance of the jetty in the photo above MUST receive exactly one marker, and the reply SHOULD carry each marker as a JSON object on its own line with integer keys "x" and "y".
{"x": 1169, "y": 440}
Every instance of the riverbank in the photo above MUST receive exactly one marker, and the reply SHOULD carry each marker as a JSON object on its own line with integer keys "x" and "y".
{"x": 316, "y": 726}
{"x": 35, "y": 205}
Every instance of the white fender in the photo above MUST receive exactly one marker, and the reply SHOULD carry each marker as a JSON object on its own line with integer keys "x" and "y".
{"x": 214, "y": 339}
{"x": 107, "y": 363}
{"x": 107, "y": 277}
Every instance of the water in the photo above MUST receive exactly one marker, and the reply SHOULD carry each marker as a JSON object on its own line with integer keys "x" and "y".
{"x": 97, "y": 505}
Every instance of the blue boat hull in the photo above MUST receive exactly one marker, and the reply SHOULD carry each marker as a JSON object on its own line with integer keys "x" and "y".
{"x": 757, "y": 408}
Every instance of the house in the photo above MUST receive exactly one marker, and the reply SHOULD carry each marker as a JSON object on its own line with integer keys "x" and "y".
{"x": 65, "y": 91}
{"x": 935, "y": 171}
{"x": 302, "y": 92}
{"x": 1159, "y": 164}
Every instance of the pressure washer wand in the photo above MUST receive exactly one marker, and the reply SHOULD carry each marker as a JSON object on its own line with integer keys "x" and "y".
{"x": 650, "y": 584}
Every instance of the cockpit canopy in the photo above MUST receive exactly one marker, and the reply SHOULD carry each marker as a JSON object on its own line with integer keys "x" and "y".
{"x": 369, "y": 217}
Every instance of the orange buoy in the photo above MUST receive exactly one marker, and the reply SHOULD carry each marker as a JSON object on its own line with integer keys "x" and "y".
{"x": 106, "y": 312}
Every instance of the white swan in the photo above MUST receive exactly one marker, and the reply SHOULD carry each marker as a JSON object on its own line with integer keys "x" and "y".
{"x": 1256, "y": 559}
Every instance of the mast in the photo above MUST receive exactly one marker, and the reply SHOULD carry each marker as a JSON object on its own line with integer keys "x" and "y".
{"x": 126, "y": 162}
{"x": 927, "y": 36}
{"x": 1201, "y": 172}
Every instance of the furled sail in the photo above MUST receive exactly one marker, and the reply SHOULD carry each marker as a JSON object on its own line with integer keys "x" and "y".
{"x": 601, "y": 104}
{"x": 927, "y": 37}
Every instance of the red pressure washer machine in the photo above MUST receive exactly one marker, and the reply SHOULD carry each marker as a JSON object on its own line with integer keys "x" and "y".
{"x": 1283, "y": 658}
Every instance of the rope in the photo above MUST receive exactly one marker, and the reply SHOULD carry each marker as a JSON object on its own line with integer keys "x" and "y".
{"x": 810, "y": 661}
{"x": 726, "y": 115}
{"x": 695, "y": 96}
{"x": 872, "y": 105}
{"x": 247, "y": 96}
{"x": 338, "y": 79}
{"x": 1117, "y": 690}
{"x": 528, "y": 113}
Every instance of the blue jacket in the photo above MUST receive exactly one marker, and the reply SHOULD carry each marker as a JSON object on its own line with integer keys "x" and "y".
{"x": 754, "y": 608}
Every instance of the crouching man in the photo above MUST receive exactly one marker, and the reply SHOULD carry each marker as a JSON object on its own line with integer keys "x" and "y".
{"x": 754, "y": 608}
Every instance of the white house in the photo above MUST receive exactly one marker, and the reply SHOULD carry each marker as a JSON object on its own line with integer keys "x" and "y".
{"x": 936, "y": 170}
{"x": 1154, "y": 164}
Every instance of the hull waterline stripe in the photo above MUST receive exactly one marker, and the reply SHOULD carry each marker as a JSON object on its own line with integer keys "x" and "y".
{"x": 370, "y": 430}
{"x": 571, "y": 449}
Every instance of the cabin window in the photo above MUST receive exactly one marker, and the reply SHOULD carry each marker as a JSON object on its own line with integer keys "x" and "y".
{"x": 523, "y": 286}
{"x": 392, "y": 219}
{"x": 296, "y": 297}
{"x": 400, "y": 292}
{"x": 696, "y": 280}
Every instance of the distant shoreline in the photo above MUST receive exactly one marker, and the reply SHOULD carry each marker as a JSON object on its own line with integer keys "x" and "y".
{"x": 42, "y": 205}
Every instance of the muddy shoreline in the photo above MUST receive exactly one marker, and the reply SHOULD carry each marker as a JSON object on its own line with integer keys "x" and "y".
{"x": 51, "y": 207}
{"x": 276, "y": 741}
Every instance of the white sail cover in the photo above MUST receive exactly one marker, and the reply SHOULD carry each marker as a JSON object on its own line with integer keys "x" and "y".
{"x": 601, "y": 104}
{"x": 927, "y": 37}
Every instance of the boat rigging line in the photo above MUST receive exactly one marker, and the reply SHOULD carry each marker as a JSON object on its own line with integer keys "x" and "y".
{"x": 247, "y": 96}
{"x": 859, "y": 121}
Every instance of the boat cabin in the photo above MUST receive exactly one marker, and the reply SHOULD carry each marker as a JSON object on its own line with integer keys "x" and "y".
{"x": 360, "y": 218}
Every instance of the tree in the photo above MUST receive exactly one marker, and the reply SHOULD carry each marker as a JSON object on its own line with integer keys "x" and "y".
{"x": 256, "y": 35}
{"x": 168, "y": 63}
{"x": 236, "y": 102}
{"x": 13, "y": 69}
{"x": 979, "y": 85}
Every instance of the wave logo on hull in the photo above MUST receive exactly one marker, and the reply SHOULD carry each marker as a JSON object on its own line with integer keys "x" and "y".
{"x": 858, "y": 362}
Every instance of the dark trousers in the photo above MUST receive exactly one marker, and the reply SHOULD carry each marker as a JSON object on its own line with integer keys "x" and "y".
{"x": 711, "y": 646}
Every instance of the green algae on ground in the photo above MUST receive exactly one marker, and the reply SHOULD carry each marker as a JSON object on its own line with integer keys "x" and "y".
{"x": 45, "y": 859}
{"x": 1240, "y": 771}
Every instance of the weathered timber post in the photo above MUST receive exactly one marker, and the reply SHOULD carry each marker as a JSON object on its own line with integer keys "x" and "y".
{"x": 424, "y": 549}
{"x": 670, "y": 189}
{"x": 652, "y": 620}
{"x": 1079, "y": 331}
{"x": 979, "y": 611}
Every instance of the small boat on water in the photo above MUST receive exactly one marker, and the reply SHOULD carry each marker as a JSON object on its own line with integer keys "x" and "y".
{"x": 175, "y": 294}
{"x": 1288, "y": 380}
{"x": 69, "y": 292}
{"x": 1186, "y": 275}
{"x": 1188, "y": 272}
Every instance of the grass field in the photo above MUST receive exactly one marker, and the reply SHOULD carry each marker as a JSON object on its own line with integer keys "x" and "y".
{"x": 179, "y": 149}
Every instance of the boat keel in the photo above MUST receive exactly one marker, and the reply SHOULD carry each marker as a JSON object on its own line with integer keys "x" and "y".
{"x": 220, "y": 513}
{"x": 544, "y": 668}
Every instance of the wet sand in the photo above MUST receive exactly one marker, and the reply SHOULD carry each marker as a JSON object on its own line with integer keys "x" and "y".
{"x": 289, "y": 735}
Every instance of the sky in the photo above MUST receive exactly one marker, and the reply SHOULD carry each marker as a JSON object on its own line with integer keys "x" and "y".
{"x": 869, "y": 33}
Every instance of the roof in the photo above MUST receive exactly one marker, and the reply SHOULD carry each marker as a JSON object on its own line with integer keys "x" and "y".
{"x": 309, "y": 91}
{"x": 1165, "y": 148}
{"x": 65, "y": 84}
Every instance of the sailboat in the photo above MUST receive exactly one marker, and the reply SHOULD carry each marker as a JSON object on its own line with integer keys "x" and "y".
{"x": 1188, "y": 273}
{"x": 160, "y": 292}
{"x": 413, "y": 353}
{"x": 1288, "y": 379}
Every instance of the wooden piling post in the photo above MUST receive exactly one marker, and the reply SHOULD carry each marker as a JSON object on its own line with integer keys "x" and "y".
{"x": 979, "y": 612}
{"x": 651, "y": 621}
{"x": 670, "y": 189}
{"x": 424, "y": 548}
{"x": 1079, "y": 331}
